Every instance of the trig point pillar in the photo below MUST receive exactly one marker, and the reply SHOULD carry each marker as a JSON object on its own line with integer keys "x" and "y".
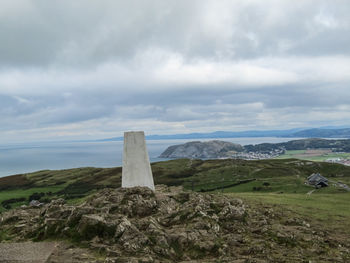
{"x": 136, "y": 167}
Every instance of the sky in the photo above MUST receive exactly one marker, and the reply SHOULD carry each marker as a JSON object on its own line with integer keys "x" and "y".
{"x": 87, "y": 69}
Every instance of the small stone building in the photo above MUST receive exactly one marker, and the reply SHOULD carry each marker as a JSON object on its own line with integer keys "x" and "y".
{"x": 317, "y": 180}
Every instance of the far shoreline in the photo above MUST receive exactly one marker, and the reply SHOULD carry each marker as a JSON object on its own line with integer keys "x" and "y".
{"x": 31, "y": 157}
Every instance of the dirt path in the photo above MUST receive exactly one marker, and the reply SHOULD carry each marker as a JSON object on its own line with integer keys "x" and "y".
{"x": 310, "y": 192}
{"x": 28, "y": 252}
{"x": 44, "y": 252}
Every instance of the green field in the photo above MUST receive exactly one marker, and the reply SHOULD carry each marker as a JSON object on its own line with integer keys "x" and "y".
{"x": 290, "y": 154}
{"x": 275, "y": 176}
{"x": 302, "y": 154}
{"x": 279, "y": 182}
{"x": 332, "y": 210}
{"x": 18, "y": 193}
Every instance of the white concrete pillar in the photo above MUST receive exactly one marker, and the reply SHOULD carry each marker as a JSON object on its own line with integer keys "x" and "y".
{"x": 136, "y": 166}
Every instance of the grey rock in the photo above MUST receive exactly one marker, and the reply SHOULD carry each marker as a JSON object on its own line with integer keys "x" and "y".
{"x": 35, "y": 203}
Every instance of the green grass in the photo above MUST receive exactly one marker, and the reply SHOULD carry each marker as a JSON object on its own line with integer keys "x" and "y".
{"x": 9, "y": 194}
{"x": 319, "y": 158}
{"x": 263, "y": 176}
{"x": 26, "y": 192}
{"x": 4, "y": 236}
{"x": 204, "y": 175}
{"x": 291, "y": 154}
{"x": 278, "y": 182}
{"x": 275, "y": 185}
{"x": 320, "y": 207}
{"x": 91, "y": 175}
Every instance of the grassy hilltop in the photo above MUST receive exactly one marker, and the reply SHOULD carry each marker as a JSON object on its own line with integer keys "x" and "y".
{"x": 271, "y": 181}
{"x": 285, "y": 176}
{"x": 276, "y": 183}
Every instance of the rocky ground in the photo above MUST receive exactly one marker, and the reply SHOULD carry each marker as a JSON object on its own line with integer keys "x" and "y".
{"x": 170, "y": 225}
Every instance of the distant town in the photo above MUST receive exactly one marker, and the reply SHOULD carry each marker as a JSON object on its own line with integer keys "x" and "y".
{"x": 258, "y": 155}
{"x": 339, "y": 160}
{"x": 331, "y": 151}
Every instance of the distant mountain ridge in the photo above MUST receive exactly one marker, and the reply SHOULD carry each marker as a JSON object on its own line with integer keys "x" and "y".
{"x": 291, "y": 133}
{"x": 324, "y": 133}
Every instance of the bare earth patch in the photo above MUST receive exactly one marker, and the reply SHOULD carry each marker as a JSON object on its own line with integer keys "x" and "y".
{"x": 26, "y": 251}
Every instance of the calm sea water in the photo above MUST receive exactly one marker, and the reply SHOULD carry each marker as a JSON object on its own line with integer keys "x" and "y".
{"x": 24, "y": 158}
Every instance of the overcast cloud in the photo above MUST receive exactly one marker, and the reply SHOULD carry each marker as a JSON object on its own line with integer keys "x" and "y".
{"x": 93, "y": 69}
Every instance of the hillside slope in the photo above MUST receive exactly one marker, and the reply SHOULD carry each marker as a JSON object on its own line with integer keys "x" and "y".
{"x": 138, "y": 225}
{"x": 283, "y": 219}
{"x": 286, "y": 175}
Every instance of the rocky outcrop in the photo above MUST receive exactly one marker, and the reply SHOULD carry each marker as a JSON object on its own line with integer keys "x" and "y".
{"x": 170, "y": 225}
{"x": 206, "y": 150}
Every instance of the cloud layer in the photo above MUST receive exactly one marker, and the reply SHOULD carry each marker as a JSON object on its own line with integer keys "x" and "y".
{"x": 92, "y": 69}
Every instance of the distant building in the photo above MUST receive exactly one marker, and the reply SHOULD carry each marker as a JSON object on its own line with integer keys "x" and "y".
{"x": 317, "y": 180}
{"x": 334, "y": 160}
{"x": 347, "y": 162}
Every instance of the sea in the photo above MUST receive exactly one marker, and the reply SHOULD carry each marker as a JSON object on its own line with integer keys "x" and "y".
{"x": 31, "y": 157}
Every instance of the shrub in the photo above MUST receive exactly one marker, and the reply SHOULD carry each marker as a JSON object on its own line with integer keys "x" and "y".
{"x": 6, "y": 203}
{"x": 36, "y": 196}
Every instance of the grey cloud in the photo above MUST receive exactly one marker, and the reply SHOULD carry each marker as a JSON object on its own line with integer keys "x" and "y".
{"x": 41, "y": 33}
{"x": 75, "y": 67}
